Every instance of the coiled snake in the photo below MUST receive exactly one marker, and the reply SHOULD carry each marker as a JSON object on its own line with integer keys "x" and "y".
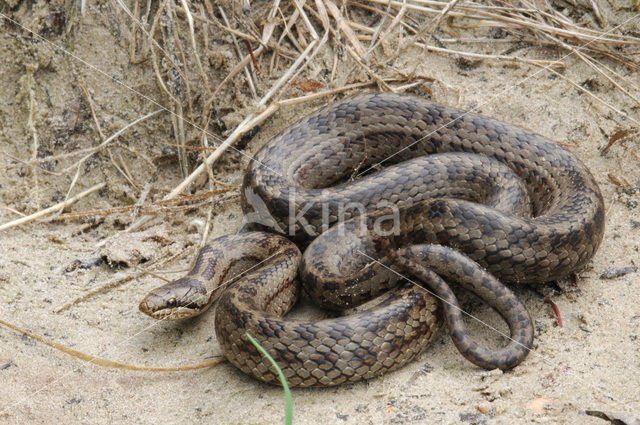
{"x": 465, "y": 199}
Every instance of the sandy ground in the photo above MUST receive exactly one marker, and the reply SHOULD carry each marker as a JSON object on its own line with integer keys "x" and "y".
{"x": 592, "y": 363}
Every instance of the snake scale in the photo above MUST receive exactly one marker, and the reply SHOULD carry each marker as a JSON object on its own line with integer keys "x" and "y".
{"x": 462, "y": 199}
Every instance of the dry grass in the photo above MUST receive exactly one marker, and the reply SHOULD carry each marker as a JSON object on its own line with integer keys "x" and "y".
{"x": 282, "y": 49}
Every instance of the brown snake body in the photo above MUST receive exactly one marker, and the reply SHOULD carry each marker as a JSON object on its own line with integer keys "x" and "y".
{"x": 471, "y": 200}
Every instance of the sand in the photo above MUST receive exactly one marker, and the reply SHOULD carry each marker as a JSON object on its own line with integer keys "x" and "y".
{"x": 591, "y": 363}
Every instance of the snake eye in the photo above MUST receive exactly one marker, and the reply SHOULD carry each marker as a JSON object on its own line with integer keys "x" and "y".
{"x": 172, "y": 302}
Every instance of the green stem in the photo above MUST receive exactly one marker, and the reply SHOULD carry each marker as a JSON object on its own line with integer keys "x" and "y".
{"x": 288, "y": 406}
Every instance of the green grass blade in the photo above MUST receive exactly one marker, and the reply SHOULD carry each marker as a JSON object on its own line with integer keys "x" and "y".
{"x": 288, "y": 405}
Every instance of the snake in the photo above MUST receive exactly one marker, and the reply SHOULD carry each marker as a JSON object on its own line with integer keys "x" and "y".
{"x": 397, "y": 199}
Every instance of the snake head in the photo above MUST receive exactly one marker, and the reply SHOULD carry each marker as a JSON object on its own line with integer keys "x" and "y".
{"x": 180, "y": 299}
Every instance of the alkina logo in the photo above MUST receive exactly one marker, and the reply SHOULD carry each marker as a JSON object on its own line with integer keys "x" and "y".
{"x": 260, "y": 214}
{"x": 330, "y": 213}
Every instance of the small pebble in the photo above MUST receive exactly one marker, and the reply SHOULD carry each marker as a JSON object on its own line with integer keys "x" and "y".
{"x": 613, "y": 273}
{"x": 484, "y": 407}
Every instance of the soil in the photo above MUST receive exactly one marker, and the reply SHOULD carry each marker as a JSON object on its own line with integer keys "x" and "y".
{"x": 592, "y": 362}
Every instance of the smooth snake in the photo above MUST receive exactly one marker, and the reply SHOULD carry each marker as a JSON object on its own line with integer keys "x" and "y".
{"x": 462, "y": 199}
